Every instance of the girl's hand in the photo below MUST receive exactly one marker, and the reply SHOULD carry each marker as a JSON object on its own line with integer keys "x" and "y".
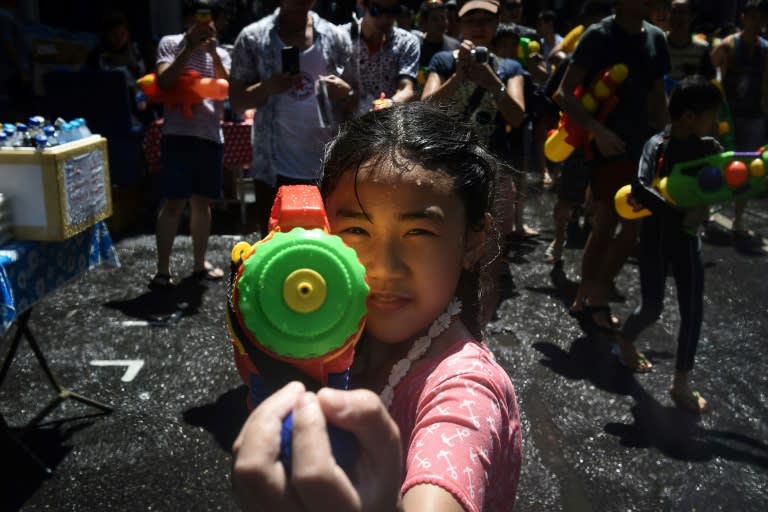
{"x": 317, "y": 483}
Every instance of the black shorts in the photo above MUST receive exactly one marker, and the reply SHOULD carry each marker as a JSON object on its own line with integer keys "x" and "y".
{"x": 191, "y": 166}
{"x": 574, "y": 179}
{"x": 608, "y": 176}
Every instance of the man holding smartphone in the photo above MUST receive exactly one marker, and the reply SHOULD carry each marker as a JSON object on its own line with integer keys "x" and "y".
{"x": 276, "y": 64}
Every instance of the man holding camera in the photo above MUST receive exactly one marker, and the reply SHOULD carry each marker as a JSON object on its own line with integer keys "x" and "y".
{"x": 488, "y": 92}
{"x": 278, "y": 63}
{"x": 478, "y": 84}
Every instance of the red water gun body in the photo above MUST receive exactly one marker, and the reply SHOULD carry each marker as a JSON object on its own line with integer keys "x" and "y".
{"x": 190, "y": 89}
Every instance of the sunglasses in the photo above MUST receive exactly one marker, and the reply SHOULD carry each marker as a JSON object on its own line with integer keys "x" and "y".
{"x": 377, "y": 10}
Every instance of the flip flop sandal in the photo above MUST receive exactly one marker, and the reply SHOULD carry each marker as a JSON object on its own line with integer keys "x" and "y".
{"x": 641, "y": 363}
{"x": 208, "y": 274}
{"x": 586, "y": 318}
{"x": 161, "y": 282}
{"x": 691, "y": 403}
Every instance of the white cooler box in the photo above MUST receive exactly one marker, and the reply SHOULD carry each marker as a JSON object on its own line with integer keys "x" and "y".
{"x": 57, "y": 192}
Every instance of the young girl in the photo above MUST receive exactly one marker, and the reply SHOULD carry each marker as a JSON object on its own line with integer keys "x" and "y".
{"x": 410, "y": 189}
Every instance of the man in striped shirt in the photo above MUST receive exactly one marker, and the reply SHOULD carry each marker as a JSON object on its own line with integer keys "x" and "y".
{"x": 192, "y": 148}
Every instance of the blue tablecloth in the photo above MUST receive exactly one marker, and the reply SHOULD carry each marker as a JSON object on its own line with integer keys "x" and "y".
{"x": 29, "y": 271}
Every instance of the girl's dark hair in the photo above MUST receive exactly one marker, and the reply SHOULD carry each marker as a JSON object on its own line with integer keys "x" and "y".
{"x": 430, "y": 136}
{"x": 695, "y": 94}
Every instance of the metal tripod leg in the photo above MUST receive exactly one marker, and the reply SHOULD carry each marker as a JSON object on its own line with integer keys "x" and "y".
{"x": 22, "y": 329}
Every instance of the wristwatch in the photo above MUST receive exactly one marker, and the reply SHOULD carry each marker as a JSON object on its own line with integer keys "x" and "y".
{"x": 500, "y": 93}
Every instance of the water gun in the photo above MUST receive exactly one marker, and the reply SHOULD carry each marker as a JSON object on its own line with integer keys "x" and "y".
{"x": 296, "y": 308}
{"x": 711, "y": 180}
{"x": 191, "y": 88}
{"x": 599, "y": 100}
{"x": 525, "y": 48}
{"x": 571, "y": 39}
{"x": 382, "y": 102}
{"x": 421, "y": 77}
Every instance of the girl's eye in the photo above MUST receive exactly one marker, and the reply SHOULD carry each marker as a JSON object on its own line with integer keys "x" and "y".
{"x": 354, "y": 230}
{"x": 420, "y": 232}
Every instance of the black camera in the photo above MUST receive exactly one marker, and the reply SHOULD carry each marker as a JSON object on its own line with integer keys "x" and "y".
{"x": 481, "y": 54}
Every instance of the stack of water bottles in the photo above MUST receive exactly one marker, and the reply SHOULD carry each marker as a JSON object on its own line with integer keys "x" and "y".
{"x": 40, "y": 134}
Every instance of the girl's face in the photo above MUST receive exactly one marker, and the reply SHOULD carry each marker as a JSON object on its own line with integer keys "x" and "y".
{"x": 411, "y": 235}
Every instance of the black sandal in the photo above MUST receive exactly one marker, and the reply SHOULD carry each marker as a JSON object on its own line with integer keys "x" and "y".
{"x": 586, "y": 319}
{"x": 161, "y": 282}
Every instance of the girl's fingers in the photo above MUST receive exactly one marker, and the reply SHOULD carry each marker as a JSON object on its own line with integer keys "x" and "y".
{"x": 258, "y": 477}
{"x": 379, "y": 468}
{"x": 318, "y": 481}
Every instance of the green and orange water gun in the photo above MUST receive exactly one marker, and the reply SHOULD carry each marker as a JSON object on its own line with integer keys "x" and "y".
{"x": 296, "y": 307}
{"x": 711, "y": 180}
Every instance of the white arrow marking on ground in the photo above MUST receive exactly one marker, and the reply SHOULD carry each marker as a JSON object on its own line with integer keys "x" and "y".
{"x": 134, "y": 365}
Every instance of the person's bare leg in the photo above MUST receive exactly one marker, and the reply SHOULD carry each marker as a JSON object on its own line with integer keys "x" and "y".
{"x": 684, "y": 396}
{"x": 165, "y": 232}
{"x": 540, "y": 136}
{"x": 622, "y": 246}
{"x": 631, "y": 357}
{"x": 592, "y": 290}
{"x": 521, "y": 191}
{"x": 561, "y": 215}
{"x": 200, "y": 229}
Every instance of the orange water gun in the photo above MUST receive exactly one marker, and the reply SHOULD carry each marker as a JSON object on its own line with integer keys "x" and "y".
{"x": 191, "y": 88}
{"x": 296, "y": 307}
{"x": 599, "y": 100}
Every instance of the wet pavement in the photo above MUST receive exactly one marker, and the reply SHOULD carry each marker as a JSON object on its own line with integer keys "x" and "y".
{"x": 595, "y": 436}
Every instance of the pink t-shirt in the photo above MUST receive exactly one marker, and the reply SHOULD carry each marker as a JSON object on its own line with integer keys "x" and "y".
{"x": 460, "y": 427}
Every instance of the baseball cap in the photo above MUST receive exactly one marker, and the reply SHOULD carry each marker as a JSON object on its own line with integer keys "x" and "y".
{"x": 491, "y": 6}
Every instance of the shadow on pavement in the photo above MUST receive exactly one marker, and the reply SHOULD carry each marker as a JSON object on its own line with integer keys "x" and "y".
{"x": 224, "y": 418}
{"x": 164, "y": 307}
{"x": 31, "y": 455}
{"x": 678, "y": 434}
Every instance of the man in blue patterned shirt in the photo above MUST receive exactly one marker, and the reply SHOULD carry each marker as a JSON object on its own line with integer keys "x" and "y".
{"x": 288, "y": 133}
{"x": 386, "y": 57}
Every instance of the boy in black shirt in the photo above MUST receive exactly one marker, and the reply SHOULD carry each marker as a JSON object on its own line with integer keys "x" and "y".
{"x": 669, "y": 238}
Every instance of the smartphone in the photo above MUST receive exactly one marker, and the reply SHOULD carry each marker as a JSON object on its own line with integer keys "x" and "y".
{"x": 290, "y": 58}
{"x": 203, "y": 15}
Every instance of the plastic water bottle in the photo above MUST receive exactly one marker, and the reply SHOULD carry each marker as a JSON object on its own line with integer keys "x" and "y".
{"x": 22, "y": 137}
{"x": 50, "y": 132}
{"x": 4, "y": 140}
{"x": 65, "y": 133}
{"x": 34, "y": 126}
{"x": 83, "y": 128}
{"x": 10, "y": 133}
{"x": 41, "y": 142}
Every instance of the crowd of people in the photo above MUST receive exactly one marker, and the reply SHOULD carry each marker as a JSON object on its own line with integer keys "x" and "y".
{"x": 422, "y": 123}
{"x": 422, "y": 127}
